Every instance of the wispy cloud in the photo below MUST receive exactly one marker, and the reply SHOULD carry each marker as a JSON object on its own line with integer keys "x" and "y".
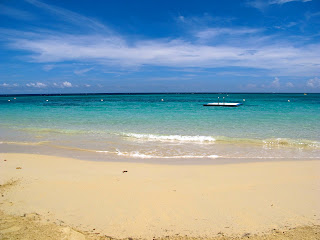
{"x": 70, "y": 16}
{"x": 314, "y": 82}
{"x": 263, "y": 4}
{"x": 5, "y": 85}
{"x": 202, "y": 20}
{"x": 109, "y": 50}
{"x": 48, "y": 67}
{"x": 312, "y": 14}
{"x": 9, "y": 85}
{"x": 290, "y": 84}
{"x": 275, "y": 83}
{"x": 82, "y": 71}
{"x": 238, "y": 47}
{"x": 259, "y": 4}
{"x": 210, "y": 33}
{"x": 36, "y": 85}
{"x": 64, "y": 84}
{"x": 286, "y": 1}
{"x": 15, "y": 13}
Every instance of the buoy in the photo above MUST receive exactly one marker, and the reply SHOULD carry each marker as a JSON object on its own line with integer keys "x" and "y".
{"x": 288, "y": 100}
{"x": 9, "y": 100}
{"x": 47, "y": 100}
{"x": 14, "y": 98}
{"x": 161, "y": 100}
{"x": 244, "y": 100}
{"x": 101, "y": 100}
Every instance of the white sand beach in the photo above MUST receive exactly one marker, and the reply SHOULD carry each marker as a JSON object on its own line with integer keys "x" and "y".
{"x": 140, "y": 200}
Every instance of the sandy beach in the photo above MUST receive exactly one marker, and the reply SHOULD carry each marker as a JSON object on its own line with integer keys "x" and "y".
{"x": 137, "y": 200}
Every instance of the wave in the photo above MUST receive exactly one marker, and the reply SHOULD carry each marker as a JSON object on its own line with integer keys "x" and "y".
{"x": 302, "y": 143}
{"x": 162, "y": 155}
{"x": 170, "y": 138}
{"x": 269, "y": 142}
{"x": 272, "y": 142}
{"x": 137, "y": 154}
{"x": 268, "y": 157}
{"x": 134, "y": 154}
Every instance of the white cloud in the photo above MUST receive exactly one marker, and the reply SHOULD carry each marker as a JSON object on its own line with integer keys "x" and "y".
{"x": 275, "y": 83}
{"x": 239, "y": 47}
{"x": 66, "y": 84}
{"x": 36, "y": 85}
{"x": 48, "y": 67}
{"x": 286, "y": 1}
{"x": 15, "y": 13}
{"x": 214, "y": 32}
{"x": 70, "y": 16}
{"x": 259, "y": 4}
{"x": 112, "y": 51}
{"x": 87, "y": 85}
{"x": 289, "y": 84}
{"x": 63, "y": 84}
{"x": 7, "y": 85}
{"x": 263, "y": 4}
{"x": 314, "y": 82}
{"x": 311, "y": 15}
{"x": 82, "y": 71}
{"x": 181, "y": 18}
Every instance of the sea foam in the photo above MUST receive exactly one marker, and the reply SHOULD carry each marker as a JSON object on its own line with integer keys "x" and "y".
{"x": 137, "y": 154}
{"x": 171, "y": 138}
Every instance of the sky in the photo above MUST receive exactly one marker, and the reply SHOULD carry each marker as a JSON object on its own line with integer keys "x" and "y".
{"x": 58, "y": 46}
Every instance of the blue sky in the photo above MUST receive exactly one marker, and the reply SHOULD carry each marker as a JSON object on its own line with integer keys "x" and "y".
{"x": 159, "y": 46}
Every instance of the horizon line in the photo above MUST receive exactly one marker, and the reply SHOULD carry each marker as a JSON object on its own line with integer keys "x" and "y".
{"x": 148, "y": 93}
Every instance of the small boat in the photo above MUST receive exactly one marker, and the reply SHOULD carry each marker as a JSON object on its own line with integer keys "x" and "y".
{"x": 222, "y": 104}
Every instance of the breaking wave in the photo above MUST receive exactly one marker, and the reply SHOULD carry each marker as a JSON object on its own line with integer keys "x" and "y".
{"x": 170, "y": 138}
{"x": 137, "y": 154}
{"x": 270, "y": 142}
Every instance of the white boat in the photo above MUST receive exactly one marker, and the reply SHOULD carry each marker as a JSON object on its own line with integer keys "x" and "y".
{"x": 222, "y": 104}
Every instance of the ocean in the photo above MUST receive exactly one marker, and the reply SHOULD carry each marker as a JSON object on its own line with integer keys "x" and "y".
{"x": 162, "y": 127}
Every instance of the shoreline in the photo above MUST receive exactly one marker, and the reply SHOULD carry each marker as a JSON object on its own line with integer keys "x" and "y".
{"x": 159, "y": 200}
{"x": 94, "y": 156}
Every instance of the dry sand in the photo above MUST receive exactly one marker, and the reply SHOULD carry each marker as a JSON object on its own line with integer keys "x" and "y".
{"x": 73, "y": 199}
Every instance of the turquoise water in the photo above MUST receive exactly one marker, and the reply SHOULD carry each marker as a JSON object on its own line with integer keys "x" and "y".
{"x": 144, "y": 126}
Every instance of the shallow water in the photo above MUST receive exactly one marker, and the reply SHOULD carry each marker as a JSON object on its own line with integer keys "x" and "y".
{"x": 132, "y": 126}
